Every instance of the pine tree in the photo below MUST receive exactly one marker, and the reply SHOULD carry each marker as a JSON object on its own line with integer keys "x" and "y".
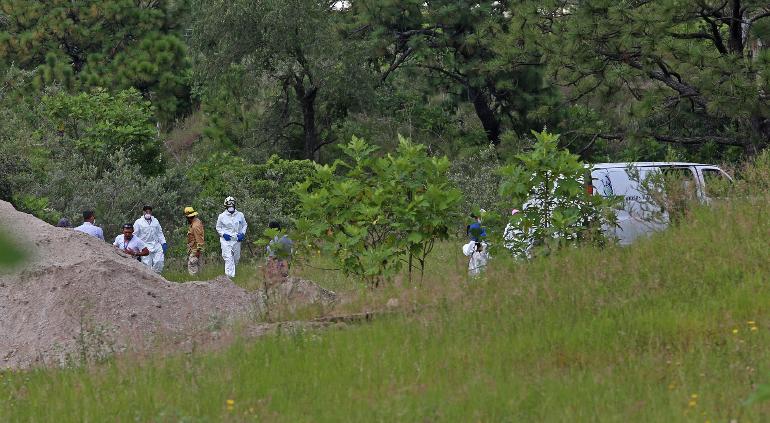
{"x": 114, "y": 44}
{"x": 688, "y": 73}
{"x": 458, "y": 46}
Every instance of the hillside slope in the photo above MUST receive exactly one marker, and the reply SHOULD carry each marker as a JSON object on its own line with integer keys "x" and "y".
{"x": 674, "y": 328}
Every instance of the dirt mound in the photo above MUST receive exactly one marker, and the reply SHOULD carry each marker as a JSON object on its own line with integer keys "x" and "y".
{"x": 293, "y": 293}
{"x": 78, "y": 298}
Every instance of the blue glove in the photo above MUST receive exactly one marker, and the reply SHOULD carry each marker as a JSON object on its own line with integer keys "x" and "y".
{"x": 165, "y": 247}
{"x": 226, "y": 237}
{"x": 241, "y": 237}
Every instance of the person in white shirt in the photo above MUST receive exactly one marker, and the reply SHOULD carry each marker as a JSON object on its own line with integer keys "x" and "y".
{"x": 231, "y": 226}
{"x": 148, "y": 229}
{"x": 129, "y": 243}
{"x": 88, "y": 226}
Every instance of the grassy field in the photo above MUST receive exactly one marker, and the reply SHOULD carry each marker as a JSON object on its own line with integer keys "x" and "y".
{"x": 675, "y": 328}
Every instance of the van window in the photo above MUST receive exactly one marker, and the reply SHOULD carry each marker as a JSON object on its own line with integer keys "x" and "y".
{"x": 680, "y": 183}
{"x": 717, "y": 184}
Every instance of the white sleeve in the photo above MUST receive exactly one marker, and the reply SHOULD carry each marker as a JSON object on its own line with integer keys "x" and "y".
{"x": 138, "y": 227}
{"x": 245, "y": 225}
{"x": 220, "y": 227}
{"x": 116, "y": 242}
{"x": 469, "y": 248}
{"x": 160, "y": 233}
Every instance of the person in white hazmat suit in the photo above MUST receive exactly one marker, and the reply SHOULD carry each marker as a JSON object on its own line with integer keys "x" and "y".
{"x": 148, "y": 229}
{"x": 478, "y": 255}
{"x": 231, "y": 226}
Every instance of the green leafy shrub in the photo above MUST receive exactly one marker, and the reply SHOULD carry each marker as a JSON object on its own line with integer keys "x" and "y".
{"x": 98, "y": 123}
{"x": 376, "y": 214}
{"x": 548, "y": 185}
{"x": 263, "y": 191}
{"x": 39, "y": 207}
{"x": 116, "y": 195}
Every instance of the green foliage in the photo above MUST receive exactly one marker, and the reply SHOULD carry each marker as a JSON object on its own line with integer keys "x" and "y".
{"x": 263, "y": 191}
{"x": 478, "y": 179}
{"x": 374, "y": 214}
{"x": 39, "y": 207}
{"x": 22, "y": 159}
{"x": 9, "y": 253}
{"x": 620, "y": 334}
{"x": 291, "y": 55}
{"x": 548, "y": 185}
{"x": 115, "y": 44}
{"x": 116, "y": 194}
{"x": 682, "y": 73}
{"x": 459, "y": 48}
{"x": 97, "y": 124}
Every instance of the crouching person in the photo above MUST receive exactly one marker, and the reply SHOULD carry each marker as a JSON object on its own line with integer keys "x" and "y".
{"x": 478, "y": 256}
{"x": 195, "y": 241}
{"x": 279, "y": 252}
{"x": 131, "y": 244}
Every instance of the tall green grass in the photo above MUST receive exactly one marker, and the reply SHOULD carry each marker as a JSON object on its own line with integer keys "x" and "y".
{"x": 659, "y": 331}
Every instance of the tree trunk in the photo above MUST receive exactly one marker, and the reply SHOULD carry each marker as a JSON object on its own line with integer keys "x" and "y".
{"x": 489, "y": 121}
{"x": 310, "y": 131}
{"x": 735, "y": 43}
{"x": 760, "y": 125}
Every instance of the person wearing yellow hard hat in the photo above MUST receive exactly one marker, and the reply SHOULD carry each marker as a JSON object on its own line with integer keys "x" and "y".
{"x": 195, "y": 241}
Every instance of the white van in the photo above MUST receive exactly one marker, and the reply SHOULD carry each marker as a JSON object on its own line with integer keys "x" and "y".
{"x": 639, "y": 215}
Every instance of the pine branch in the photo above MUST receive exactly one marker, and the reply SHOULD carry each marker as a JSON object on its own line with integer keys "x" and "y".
{"x": 673, "y": 139}
{"x": 397, "y": 61}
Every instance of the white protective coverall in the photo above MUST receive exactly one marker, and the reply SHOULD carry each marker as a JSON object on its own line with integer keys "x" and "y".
{"x": 231, "y": 224}
{"x": 152, "y": 234}
{"x": 478, "y": 259}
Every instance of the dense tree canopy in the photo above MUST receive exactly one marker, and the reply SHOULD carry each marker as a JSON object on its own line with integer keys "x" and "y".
{"x": 193, "y": 100}
{"x": 292, "y": 52}
{"x": 455, "y": 44}
{"x": 690, "y": 73}
{"x": 114, "y": 44}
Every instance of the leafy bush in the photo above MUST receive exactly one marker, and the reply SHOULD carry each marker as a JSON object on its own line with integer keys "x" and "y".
{"x": 263, "y": 191}
{"x": 376, "y": 214}
{"x": 116, "y": 195}
{"x": 39, "y": 207}
{"x": 548, "y": 185}
{"x": 477, "y": 177}
{"x": 98, "y": 123}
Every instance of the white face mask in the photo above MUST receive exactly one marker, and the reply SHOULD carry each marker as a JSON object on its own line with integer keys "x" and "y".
{"x": 231, "y": 210}
{"x": 148, "y": 216}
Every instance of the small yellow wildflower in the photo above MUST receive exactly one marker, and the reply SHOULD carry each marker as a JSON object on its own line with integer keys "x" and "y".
{"x": 735, "y": 331}
{"x": 230, "y": 404}
{"x": 694, "y": 396}
{"x": 751, "y": 323}
{"x": 754, "y": 328}
{"x": 692, "y": 403}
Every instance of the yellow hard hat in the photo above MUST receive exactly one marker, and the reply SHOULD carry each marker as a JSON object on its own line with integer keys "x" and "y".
{"x": 190, "y": 212}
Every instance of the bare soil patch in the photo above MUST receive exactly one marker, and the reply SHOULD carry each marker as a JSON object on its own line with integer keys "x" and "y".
{"x": 79, "y": 298}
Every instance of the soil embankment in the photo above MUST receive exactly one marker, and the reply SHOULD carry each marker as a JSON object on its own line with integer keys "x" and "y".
{"x": 79, "y": 298}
